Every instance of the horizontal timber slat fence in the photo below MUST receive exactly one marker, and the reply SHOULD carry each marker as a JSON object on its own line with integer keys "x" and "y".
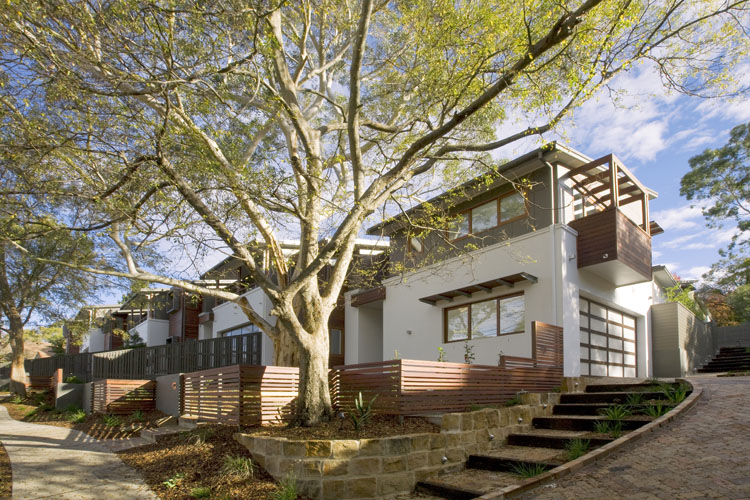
{"x": 253, "y": 395}
{"x": 151, "y": 362}
{"x": 123, "y": 396}
{"x": 241, "y": 395}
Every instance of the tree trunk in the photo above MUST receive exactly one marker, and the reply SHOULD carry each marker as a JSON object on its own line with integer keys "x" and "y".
{"x": 314, "y": 400}
{"x": 17, "y": 368}
{"x": 285, "y": 350}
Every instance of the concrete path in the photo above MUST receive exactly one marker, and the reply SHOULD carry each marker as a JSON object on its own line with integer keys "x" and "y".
{"x": 705, "y": 453}
{"x": 53, "y": 462}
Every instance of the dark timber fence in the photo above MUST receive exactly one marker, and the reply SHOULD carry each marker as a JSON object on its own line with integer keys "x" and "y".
{"x": 151, "y": 362}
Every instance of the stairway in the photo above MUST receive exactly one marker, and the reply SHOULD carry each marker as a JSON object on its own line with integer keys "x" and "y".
{"x": 728, "y": 359}
{"x": 544, "y": 446}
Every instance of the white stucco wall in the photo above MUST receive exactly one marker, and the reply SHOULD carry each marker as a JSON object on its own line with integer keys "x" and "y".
{"x": 228, "y": 316}
{"x": 403, "y": 312}
{"x": 153, "y": 331}
{"x": 94, "y": 341}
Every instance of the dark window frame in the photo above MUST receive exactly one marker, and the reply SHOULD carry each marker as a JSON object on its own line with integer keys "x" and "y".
{"x": 498, "y": 200}
{"x": 468, "y": 322}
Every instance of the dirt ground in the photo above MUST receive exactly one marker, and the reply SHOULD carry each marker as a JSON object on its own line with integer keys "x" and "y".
{"x": 32, "y": 410}
{"x": 377, "y": 426}
{"x": 5, "y": 474}
{"x": 179, "y": 463}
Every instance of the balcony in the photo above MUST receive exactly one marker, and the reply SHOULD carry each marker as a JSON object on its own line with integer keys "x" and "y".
{"x": 613, "y": 247}
{"x": 611, "y": 218}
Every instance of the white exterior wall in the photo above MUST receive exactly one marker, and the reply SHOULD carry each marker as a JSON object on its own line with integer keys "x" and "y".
{"x": 153, "y": 331}
{"x": 229, "y": 315}
{"x": 93, "y": 341}
{"x": 364, "y": 334}
{"x": 402, "y": 312}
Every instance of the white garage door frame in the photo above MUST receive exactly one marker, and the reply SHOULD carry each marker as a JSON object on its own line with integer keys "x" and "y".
{"x": 609, "y": 344}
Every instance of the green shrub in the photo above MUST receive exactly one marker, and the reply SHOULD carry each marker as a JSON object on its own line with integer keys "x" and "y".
{"x": 576, "y": 448}
{"x": 362, "y": 413}
{"x": 173, "y": 481}
{"x": 615, "y": 412}
{"x": 201, "y": 435}
{"x": 601, "y": 427}
{"x": 656, "y": 410}
{"x": 137, "y": 416}
{"x": 111, "y": 420}
{"x": 287, "y": 490}
{"x": 676, "y": 394}
{"x": 77, "y": 416}
{"x": 72, "y": 379}
{"x": 514, "y": 401}
{"x": 528, "y": 469}
{"x": 45, "y": 406}
{"x": 72, "y": 408}
{"x": 201, "y": 492}
{"x": 16, "y": 399}
{"x": 635, "y": 399}
{"x": 238, "y": 467}
{"x": 615, "y": 429}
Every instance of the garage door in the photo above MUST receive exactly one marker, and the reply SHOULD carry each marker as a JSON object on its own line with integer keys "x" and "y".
{"x": 607, "y": 341}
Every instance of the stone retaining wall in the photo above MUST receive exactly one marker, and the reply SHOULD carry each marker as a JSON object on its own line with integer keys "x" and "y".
{"x": 384, "y": 467}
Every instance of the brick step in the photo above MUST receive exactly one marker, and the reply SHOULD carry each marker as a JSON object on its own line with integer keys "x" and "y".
{"x": 528, "y": 454}
{"x": 714, "y": 364}
{"x": 154, "y": 435}
{"x": 440, "y": 490}
{"x": 733, "y": 355}
{"x": 605, "y": 397}
{"x": 556, "y": 441}
{"x": 719, "y": 370}
{"x": 732, "y": 349}
{"x": 581, "y": 423}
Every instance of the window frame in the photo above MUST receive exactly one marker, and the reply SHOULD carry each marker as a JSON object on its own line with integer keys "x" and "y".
{"x": 468, "y": 319}
{"x": 498, "y": 201}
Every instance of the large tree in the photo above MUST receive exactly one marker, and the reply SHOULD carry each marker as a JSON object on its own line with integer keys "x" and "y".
{"x": 720, "y": 178}
{"x": 234, "y": 124}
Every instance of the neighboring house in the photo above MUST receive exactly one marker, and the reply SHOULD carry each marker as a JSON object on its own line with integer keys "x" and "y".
{"x": 573, "y": 250}
{"x": 96, "y": 325}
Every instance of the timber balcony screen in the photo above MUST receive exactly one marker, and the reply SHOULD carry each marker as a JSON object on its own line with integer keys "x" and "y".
{"x": 255, "y": 395}
{"x": 615, "y": 245}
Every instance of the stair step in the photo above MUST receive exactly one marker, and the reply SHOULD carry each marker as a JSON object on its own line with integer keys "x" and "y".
{"x": 639, "y": 387}
{"x": 604, "y": 397}
{"x": 590, "y": 409}
{"x": 527, "y": 454}
{"x": 467, "y": 484}
{"x": 543, "y": 440}
{"x": 581, "y": 423}
{"x": 499, "y": 464}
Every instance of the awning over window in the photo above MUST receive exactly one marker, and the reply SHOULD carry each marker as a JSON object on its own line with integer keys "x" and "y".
{"x": 486, "y": 286}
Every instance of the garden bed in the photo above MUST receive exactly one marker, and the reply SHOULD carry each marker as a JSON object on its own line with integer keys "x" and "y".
{"x": 377, "y": 427}
{"x": 37, "y": 409}
{"x": 5, "y": 474}
{"x": 179, "y": 464}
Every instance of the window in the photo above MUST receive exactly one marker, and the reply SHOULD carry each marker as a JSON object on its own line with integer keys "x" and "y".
{"x": 415, "y": 245}
{"x": 335, "y": 341}
{"x": 484, "y": 217}
{"x": 493, "y": 213}
{"x": 488, "y": 318}
{"x": 242, "y": 330}
{"x": 512, "y": 207}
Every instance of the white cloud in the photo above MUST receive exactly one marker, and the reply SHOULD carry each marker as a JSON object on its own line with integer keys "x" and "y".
{"x": 679, "y": 218}
{"x": 695, "y": 272}
{"x": 655, "y": 254}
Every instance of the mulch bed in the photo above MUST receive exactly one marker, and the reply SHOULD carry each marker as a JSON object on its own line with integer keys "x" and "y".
{"x": 378, "y": 426}
{"x": 5, "y": 474}
{"x": 29, "y": 411}
{"x": 191, "y": 465}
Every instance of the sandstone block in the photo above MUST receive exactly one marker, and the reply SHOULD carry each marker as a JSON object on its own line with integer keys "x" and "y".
{"x": 335, "y": 467}
{"x": 294, "y": 448}
{"x": 365, "y": 466}
{"x": 318, "y": 448}
{"x": 370, "y": 447}
{"x": 365, "y": 487}
{"x": 396, "y": 446}
{"x": 417, "y": 460}
{"x": 451, "y": 422}
{"x": 420, "y": 442}
{"x": 345, "y": 448}
{"x": 437, "y": 441}
{"x": 395, "y": 483}
{"x": 394, "y": 464}
{"x": 334, "y": 489}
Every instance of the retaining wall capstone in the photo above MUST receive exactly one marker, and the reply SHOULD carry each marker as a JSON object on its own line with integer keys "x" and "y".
{"x": 384, "y": 467}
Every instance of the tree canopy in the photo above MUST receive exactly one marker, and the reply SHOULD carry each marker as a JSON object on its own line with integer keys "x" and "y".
{"x": 231, "y": 125}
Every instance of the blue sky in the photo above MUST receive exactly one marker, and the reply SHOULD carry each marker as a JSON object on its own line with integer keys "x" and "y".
{"x": 655, "y": 133}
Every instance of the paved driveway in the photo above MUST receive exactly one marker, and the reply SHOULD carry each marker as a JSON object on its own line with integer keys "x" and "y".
{"x": 57, "y": 463}
{"x": 704, "y": 454}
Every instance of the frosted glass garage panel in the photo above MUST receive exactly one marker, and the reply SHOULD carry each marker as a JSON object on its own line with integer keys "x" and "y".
{"x": 598, "y": 340}
{"x": 615, "y": 371}
{"x": 629, "y": 372}
{"x": 615, "y": 344}
{"x": 615, "y": 330}
{"x": 597, "y": 310}
{"x": 584, "y": 305}
{"x": 584, "y": 321}
{"x": 598, "y": 325}
{"x": 614, "y": 316}
{"x": 585, "y": 353}
{"x": 615, "y": 357}
{"x": 629, "y": 334}
{"x": 628, "y": 346}
{"x": 598, "y": 370}
{"x": 598, "y": 355}
{"x": 584, "y": 337}
{"x": 584, "y": 368}
{"x": 629, "y": 321}
{"x": 629, "y": 359}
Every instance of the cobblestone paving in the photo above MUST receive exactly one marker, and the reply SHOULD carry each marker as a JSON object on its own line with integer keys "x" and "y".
{"x": 704, "y": 454}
